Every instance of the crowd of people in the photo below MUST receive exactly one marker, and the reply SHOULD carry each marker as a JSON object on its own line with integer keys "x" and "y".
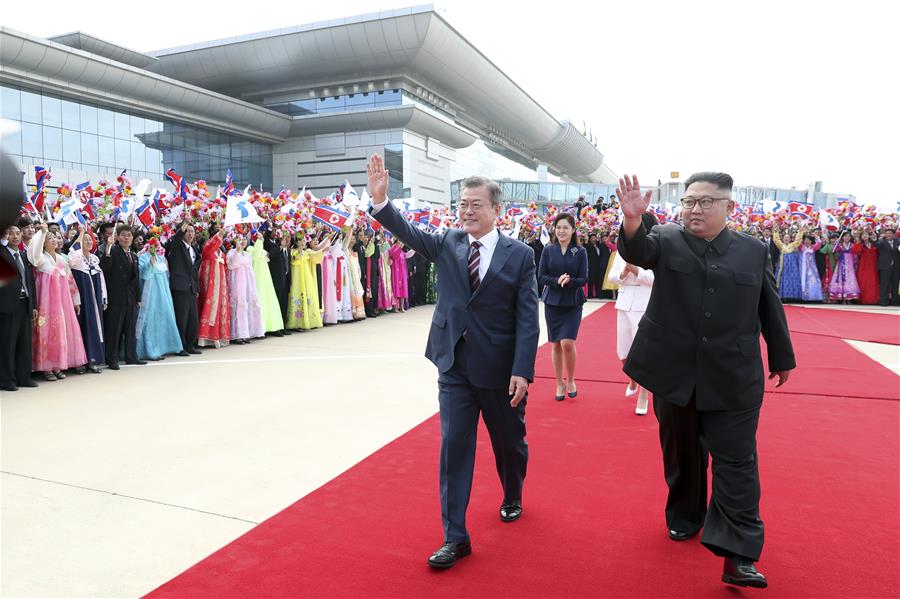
{"x": 93, "y": 296}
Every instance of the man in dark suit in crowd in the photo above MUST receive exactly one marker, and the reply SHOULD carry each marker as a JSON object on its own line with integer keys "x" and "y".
{"x": 183, "y": 257}
{"x": 420, "y": 279}
{"x": 537, "y": 246}
{"x": 278, "y": 246}
{"x": 580, "y": 205}
{"x": 774, "y": 252}
{"x": 598, "y": 257}
{"x": 697, "y": 349}
{"x": 888, "y": 268}
{"x": 598, "y": 205}
{"x": 123, "y": 288}
{"x": 483, "y": 340}
{"x": 17, "y": 311}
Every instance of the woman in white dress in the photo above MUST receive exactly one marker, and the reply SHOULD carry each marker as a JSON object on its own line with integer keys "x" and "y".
{"x": 635, "y": 286}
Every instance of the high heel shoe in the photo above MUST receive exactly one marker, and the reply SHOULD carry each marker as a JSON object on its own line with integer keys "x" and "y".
{"x": 631, "y": 391}
{"x": 643, "y": 400}
{"x": 572, "y": 394}
{"x": 559, "y": 397}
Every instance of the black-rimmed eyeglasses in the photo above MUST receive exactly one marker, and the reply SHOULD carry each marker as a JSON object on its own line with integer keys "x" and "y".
{"x": 705, "y": 202}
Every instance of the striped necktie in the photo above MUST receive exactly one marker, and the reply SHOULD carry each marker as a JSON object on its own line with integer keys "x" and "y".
{"x": 474, "y": 262}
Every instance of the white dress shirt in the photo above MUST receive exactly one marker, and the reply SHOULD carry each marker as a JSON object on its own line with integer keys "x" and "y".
{"x": 486, "y": 251}
{"x": 191, "y": 251}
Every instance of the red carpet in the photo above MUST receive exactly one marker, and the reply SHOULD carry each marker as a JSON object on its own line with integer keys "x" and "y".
{"x": 845, "y": 324}
{"x": 593, "y": 524}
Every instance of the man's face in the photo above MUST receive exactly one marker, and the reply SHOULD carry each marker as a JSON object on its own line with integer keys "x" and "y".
{"x": 706, "y": 223}
{"x": 767, "y": 234}
{"x": 138, "y": 243}
{"x": 108, "y": 232}
{"x": 53, "y": 228}
{"x": 14, "y": 236}
{"x": 125, "y": 238}
{"x": 475, "y": 211}
{"x": 189, "y": 235}
{"x": 27, "y": 232}
{"x": 889, "y": 235}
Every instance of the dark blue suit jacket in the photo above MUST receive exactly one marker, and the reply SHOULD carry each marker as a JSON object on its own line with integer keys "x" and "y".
{"x": 553, "y": 265}
{"x": 500, "y": 318}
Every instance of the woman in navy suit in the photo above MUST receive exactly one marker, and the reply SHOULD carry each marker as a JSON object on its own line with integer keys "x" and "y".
{"x": 562, "y": 274}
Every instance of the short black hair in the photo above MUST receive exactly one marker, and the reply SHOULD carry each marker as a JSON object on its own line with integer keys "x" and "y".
{"x": 649, "y": 220}
{"x": 123, "y": 228}
{"x": 720, "y": 180}
{"x": 105, "y": 226}
{"x": 24, "y": 221}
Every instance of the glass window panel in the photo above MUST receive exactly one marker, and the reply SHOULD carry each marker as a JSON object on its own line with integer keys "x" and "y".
{"x": 31, "y": 107}
{"x": 106, "y": 122}
{"x": 9, "y": 103}
{"x": 506, "y": 189}
{"x": 71, "y": 116}
{"x": 357, "y": 101}
{"x": 559, "y": 193}
{"x": 331, "y": 104}
{"x": 544, "y": 193}
{"x": 107, "y": 148}
{"x": 123, "y": 126}
{"x": 153, "y": 161}
{"x": 123, "y": 153}
{"x": 301, "y": 107}
{"x": 51, "y": 111}
{"x": 11, "y": 142}
{"x": 52, "y": 143}
{"x": 137, "y": 125}
{"x": 71, "y": 141}
{"x": 533, "y": 192}
{"x": 137, "y": 160}
{"x": 32, "y": 140}
{"x": 89, "y": 154}
{"x": 388, "y": 97}
{"x": 88, "y": 118}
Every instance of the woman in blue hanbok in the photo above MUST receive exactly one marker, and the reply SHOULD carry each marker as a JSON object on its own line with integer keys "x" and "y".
{"x": 85, "y": 267}
{"x": 788, "y": 270}
{"x": 157, "y": 333}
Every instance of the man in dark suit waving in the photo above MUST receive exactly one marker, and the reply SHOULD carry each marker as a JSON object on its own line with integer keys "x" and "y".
{"x": 184, "y": 281}
{"x": 123, "y": 285}
{"x": 483, "y": 340}
{"x": 697, "y": 350}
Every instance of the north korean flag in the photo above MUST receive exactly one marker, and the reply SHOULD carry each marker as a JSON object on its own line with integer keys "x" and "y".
{"x": 178, "y": 182}
{"x": 335, "y": 219}
{"x": 800, "y": 209}
{"x": 145, "y": 213}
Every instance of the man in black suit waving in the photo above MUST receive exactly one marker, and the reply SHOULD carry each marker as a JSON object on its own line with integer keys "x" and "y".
{"x": 697, "y": 349}
{"x": 483, "y": 340}
{"x": 17, "y": 311}
{"x": 123, "y": 288}
{"x": 184, "y": 281}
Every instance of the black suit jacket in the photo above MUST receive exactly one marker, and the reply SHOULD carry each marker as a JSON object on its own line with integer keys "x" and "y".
{"x": 500, "y": 319}
{"x": 279, "y": 264}
{"x": 774, "y": 252}
{"x": 710, "y": 301}
{"x": 887, "y": 253}
{"x": 184, "y": 274}
{"x": 9, "y": 293}
{"x": 123, "y": 282}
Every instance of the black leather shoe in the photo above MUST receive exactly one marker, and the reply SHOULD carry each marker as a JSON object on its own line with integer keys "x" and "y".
{"x": 509, "y": 512}
{"x": 741, "y": 572}
{"x": 114, "y": 366}
{"x": 137, "y": 363}
{"x": 28, "y": 384}
{"x": 286, "y": 332}
{"x": 194, "y": 352}
{"x": 92, "y": 368}
{"x": 9, "y": 387}
{"x": 447, "y": 555}
{"x": 80, "y": 370}
{"x": 183, "y": 354}
{"x": 680, "y": 535}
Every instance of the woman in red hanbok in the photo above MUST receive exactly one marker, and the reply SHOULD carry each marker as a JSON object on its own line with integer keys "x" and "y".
{"x": 213, "y": 305}
{"x": 867, "y": 268}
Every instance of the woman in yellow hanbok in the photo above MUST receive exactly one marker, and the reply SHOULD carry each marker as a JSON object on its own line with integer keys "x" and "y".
{"x": 303, "y": 302}
{"x": 607, "y": 284}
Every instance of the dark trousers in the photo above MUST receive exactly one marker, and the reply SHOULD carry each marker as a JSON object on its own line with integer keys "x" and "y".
{"x": 460, "y": 405}
{"x": 731, "y": 523}
{"x": 888, "y": 283}
{"x": 186, "y": 318}
{"x": 595, "y": 285}
{"x": 120, "y": 321}
{"x": 15, "y": 342}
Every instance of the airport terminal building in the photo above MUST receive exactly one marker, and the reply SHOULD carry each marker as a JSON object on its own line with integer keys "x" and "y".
{"x": 297, "y": 106}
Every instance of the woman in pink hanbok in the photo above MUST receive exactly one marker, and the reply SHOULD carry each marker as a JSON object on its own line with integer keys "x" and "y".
{"x": 843, "y": 286}
{"x": 56, "y": 336}
{"x": 246, "y": 313}
{"x": 399, "y": 276}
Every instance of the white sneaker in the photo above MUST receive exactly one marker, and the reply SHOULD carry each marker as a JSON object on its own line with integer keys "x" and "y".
{"x": 631, "y": 391}
{"x": 642, "y": 402}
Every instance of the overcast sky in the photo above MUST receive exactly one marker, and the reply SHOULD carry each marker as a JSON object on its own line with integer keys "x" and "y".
{"x": 775, "y": 93}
